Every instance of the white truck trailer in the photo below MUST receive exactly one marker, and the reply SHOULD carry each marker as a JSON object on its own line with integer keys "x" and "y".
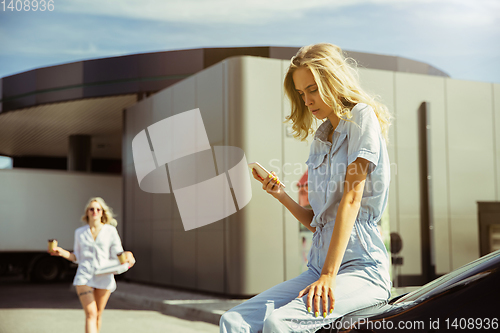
{"x": 37, "y": 205}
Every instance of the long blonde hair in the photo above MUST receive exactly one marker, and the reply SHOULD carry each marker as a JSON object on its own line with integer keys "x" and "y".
{"x": 107, "y": 213}
{"x": 338, "y": 85}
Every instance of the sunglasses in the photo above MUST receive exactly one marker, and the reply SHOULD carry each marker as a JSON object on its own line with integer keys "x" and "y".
{"x": 96, "y": 209}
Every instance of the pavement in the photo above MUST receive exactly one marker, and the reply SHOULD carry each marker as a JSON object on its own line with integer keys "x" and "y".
{"x": 174, "y": 302}
{"x": 28, "y": 307}
{"x": 186, "y": 304}
{"x": 132, "y": 307}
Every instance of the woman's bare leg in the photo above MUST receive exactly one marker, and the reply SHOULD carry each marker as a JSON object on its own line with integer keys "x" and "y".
{"x": 101, "y": 298}
{"x": 86, "y": 296}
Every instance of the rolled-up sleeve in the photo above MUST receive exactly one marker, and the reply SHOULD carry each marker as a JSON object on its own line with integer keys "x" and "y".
{"x": 116, "y": 244}
{"x": 364, "y": 137}
{"x": 76, "y": 248}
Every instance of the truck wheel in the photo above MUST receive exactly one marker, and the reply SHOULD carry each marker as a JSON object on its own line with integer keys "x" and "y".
{"x": 46, "y": 269}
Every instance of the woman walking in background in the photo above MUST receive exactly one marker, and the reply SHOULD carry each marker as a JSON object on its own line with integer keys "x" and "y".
{"x": 96, "y": 245}
{"x": 348, "y": 184}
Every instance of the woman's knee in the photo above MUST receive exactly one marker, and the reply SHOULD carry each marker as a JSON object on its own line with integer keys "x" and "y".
{"x": 91, "y": 313}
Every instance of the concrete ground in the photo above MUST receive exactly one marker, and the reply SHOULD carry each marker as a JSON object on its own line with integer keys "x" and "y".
{"x": 42, "y": 308}
{"x": 133, "y": 307}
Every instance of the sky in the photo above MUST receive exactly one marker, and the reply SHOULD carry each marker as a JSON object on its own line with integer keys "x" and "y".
{"x": 459, "y": 37}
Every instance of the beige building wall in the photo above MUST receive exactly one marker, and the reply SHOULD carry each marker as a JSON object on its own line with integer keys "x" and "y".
{"x": 242, "y": 104}
{"x": 496, "y": 123}
{"x": 471, "y": 156}
{"x": 410, "y": 91}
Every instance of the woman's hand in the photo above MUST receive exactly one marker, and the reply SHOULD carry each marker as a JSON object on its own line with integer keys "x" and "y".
{"x": 130, "y": 259}
{"x": 321, "y": 290}
{"x": 57, "y": 251}
{"x": 271, "y": 184}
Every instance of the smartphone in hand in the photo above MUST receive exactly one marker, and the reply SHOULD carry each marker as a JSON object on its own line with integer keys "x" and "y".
{"x": 261, "y": 171}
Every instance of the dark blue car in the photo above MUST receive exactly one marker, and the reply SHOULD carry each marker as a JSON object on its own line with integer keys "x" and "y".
{"x": 467, "y": 299}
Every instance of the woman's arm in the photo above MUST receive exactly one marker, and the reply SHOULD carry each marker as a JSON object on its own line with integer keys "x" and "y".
{"x": 60, "y": 252}
{"x": 272, "y": 186}
{"x": 302, "y": 214}
{"x": 346, "y": 216}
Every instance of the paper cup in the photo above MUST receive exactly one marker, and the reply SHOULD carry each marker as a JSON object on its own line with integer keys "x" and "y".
{"x": 122, "y": 257}
{"x": 52, "y": 244}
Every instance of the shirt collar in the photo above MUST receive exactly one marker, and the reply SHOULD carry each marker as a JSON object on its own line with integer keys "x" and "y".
{"x": 323, "y": 131}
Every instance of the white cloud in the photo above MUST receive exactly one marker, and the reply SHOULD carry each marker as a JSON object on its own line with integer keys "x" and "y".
{"x": 47, "y": 47}
{"x": 464, "y": 13}
{"x": 435, "y": 31}
{"x": 214, "y": 11}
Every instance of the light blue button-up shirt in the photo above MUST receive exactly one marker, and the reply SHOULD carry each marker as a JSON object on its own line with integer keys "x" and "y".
{"x": 327, "y": 166}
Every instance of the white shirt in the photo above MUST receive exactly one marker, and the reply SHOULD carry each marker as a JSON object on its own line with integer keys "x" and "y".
{"x": 94, "y": 254}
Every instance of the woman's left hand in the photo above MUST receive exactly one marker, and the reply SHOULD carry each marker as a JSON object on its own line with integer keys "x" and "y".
{"x": 321, "y": 290}
{"x": 130, "y": 259}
